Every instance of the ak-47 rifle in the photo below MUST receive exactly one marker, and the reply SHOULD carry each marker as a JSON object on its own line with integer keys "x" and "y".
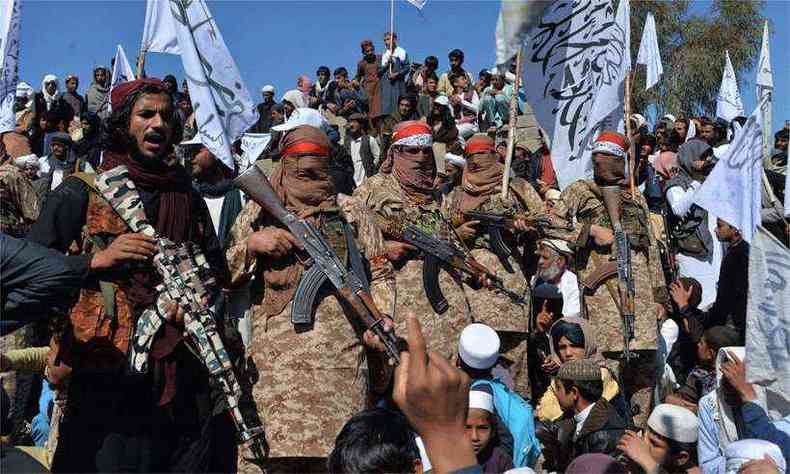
{"x": 324, "y": 264}
{"x": 494, "y": 223}
{"x": 187, "y": 281}
{"x": 437, "y": 254}
{"x": 625, "y": 281}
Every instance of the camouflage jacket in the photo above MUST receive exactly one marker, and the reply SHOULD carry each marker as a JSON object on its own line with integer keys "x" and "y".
{"x": 19, "y": 206}
{"x": 581, "y": 205}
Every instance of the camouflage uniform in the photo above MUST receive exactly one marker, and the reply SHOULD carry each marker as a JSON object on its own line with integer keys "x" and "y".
{"x": 496, "y": 310}
{"x": 306, "y": 385}
{"x": 19, "y": 207}
{"x": 581, "y": 203}
{"x": 382, "y": 194}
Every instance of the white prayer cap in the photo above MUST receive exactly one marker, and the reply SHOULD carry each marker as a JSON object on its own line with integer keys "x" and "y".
{"x": 674, "y": 422}
{"x": 456, "y": 160}
{"x": 23, "y": 89}
{"x": 303, "y": 116}
{"x": 520, "y": 470}
{"x": 26, "y": 160}
{"x": 478, "y": 346}
{"x": 293, "y": 96}
{"x": 553, "y": 195}
{"x": 670, "y": 117}
{"x": 426, "y": 463}
{"x": 267, "y": 88}
{"x": 557, "y": 245}
{"x": 481, "y": 399}
{"x": 640, "y": 120}
{"x": 740, "y": 452}
{"x": 442, "y": 100}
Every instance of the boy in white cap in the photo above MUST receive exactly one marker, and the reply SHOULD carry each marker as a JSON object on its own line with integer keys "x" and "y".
{"x": 668, "y": 444}
{"x": 478, "y": 352}
{"x": 481, "y": 428}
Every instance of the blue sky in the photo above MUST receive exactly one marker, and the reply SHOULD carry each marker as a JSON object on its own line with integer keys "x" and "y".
{"x": 275, "y": 41}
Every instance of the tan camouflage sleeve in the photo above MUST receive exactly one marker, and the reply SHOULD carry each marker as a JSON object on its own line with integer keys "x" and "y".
{"x": 242, "y": 266}
{"x": 22, "y": 190}
{"x": 569, "y": 206}
{"x": 528, "y": 196}
{"x": 371, "y": 242}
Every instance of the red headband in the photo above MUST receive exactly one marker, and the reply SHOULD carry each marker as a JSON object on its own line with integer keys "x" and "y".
{"x": 412, "y": 127}
{"x": 479, "y": 146}
{"x": 308, "y": 148}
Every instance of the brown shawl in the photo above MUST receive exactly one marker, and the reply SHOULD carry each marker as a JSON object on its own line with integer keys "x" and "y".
{"x": 303, "y": 183}
{"x": 483, "y": 173}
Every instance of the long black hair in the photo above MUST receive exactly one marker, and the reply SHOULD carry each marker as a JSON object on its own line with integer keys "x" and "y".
{"x": 116, "y": 128}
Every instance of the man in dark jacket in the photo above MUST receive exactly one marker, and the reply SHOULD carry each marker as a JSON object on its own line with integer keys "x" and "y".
{"x": 592, "y": 425}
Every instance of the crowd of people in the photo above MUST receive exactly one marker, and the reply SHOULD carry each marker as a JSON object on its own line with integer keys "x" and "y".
{"x": 516, "y": 356}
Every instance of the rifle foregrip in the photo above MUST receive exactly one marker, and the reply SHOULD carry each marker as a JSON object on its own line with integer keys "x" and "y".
{"x": 430, "y": 282}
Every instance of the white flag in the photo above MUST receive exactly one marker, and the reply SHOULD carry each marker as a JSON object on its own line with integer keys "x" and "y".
{"x": 765, "y": 75}
{"x": 787, "y": 195}
{"x": 649, "y": 54}
{"x": 732, "y": 191}
{"x": 222, "y": 103}
{"x": 252, "y": 145}
{"x": 159, "y": 33}
{"x": 765, "y": 87}
{"x": 10, "y": 16}
{"x": 575, "y": 60}
{"x": 728, "y": 102}
{"x": 418, "y": 3}
{"x": 121, "y": 70}
{"x": 768, "y": 315}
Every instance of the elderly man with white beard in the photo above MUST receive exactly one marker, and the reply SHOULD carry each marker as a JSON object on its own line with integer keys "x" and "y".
{"x": 554, "y": 276}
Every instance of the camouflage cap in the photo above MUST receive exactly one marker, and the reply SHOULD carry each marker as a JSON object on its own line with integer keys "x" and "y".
{"x": 580, "y": 371}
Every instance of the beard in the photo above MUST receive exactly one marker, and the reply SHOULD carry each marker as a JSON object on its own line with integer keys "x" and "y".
{"x": 551, "y": 273}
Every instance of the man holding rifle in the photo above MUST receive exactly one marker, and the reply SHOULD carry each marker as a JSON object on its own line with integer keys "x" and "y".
{"x": 621, "y": 285}
{"x": 506, "y": 251}
{"x": 308, "y": 371}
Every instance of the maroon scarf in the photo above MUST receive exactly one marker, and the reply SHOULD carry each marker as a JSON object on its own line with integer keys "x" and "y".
{"x": 169, "y": 184}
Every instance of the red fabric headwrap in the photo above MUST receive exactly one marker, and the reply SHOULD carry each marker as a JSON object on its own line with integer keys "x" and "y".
{"x": 479, "y": 143}
{"x": 122, "y": 91}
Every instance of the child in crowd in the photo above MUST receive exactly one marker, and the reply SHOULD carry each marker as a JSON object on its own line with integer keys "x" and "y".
{"x": 702, "y": 379}
{"x": 481, "y": 427}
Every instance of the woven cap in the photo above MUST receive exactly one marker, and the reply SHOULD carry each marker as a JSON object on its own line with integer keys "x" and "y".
{"x": 583, "y": 370}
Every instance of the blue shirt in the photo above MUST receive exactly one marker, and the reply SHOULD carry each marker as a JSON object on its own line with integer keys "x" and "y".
{"x": 759, "y": 426}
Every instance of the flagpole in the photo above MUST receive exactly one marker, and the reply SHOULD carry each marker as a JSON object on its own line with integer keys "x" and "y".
{"x": 511, "y": 133}
{"x": 140, "y": 63}
{"x": 629, "y": 156}
{"x": 392, "y": 32}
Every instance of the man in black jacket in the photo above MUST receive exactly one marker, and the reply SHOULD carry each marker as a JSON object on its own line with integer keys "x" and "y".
{"x": 591, "y": 425}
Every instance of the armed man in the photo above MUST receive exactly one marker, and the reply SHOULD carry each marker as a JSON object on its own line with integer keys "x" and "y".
{"x": 308, "y": 369}
{"x": 621, "y": 285}
{"x": 476, "y": 207}
{"x": 155, "y": 420}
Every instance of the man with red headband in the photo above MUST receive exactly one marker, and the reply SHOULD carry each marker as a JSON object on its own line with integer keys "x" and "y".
{"x": 308, "y": 379}
{"x": 480, "y": 190}
{"x": 403, "y": 193}
{"x": 582, "y": 206}
{"x": 158, "y": 421}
